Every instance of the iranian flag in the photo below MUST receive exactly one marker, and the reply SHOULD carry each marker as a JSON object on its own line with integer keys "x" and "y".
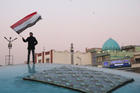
{"x": 26, "y": 22}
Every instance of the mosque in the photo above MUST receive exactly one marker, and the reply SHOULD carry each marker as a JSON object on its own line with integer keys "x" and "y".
{"x": 110, "y": 55}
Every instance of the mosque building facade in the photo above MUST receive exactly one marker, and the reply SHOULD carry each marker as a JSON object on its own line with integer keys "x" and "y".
{"x": 112, "y": 52}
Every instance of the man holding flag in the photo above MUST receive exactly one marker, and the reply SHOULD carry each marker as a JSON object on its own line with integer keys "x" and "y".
{"x": 23, "y": 24}
{"x": 32, "y": 42}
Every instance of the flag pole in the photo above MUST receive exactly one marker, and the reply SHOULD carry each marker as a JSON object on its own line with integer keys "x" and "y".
{"x": 20, "y": 35}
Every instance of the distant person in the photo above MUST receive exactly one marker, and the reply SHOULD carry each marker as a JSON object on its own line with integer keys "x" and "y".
{"x": 32, "y": 42}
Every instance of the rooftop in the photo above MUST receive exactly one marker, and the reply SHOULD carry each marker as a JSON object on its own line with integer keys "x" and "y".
{"x": 11, "y": 78}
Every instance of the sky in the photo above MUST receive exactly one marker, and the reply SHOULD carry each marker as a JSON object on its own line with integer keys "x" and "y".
{"x": 86, "y": 23}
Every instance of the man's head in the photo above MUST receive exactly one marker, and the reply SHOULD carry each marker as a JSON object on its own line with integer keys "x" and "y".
{"x": 31, "y": 34}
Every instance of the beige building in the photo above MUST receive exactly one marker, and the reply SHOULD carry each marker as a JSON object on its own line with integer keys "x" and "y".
{"x": 64, "y": 57}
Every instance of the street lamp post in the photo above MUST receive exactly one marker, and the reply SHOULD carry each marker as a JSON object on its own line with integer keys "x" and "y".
{"x": 10, "y": 40}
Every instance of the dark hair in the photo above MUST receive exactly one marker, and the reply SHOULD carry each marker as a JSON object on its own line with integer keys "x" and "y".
{"x": 31, "y": 33}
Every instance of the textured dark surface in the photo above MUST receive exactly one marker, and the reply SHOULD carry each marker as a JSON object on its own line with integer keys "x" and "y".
{"x": 81, "y": 79}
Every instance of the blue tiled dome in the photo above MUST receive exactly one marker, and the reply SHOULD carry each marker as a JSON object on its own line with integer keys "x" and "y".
{"x": 110, "y": 44}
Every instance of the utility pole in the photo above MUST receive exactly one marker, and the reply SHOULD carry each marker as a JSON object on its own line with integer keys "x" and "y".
{"x": 72, "y": 54}
{"x": 10, "y": 40}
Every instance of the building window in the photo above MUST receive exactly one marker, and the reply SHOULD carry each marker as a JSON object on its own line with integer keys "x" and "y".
{"x": 47, "y": 60}
{"x": 39, "y": 61}
{"x": 39, "y": 54}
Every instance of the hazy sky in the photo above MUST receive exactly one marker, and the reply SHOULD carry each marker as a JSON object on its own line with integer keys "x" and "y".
{"x": 86, "y": 23}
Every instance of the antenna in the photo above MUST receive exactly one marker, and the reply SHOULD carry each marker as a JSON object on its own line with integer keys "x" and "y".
{"x": 10, "y": 40}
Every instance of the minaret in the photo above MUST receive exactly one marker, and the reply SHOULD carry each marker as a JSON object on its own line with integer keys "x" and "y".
{"x": 72, "y": 54}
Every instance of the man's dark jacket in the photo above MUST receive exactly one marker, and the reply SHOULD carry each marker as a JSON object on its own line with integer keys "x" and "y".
{"x": 31, "y": 42}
